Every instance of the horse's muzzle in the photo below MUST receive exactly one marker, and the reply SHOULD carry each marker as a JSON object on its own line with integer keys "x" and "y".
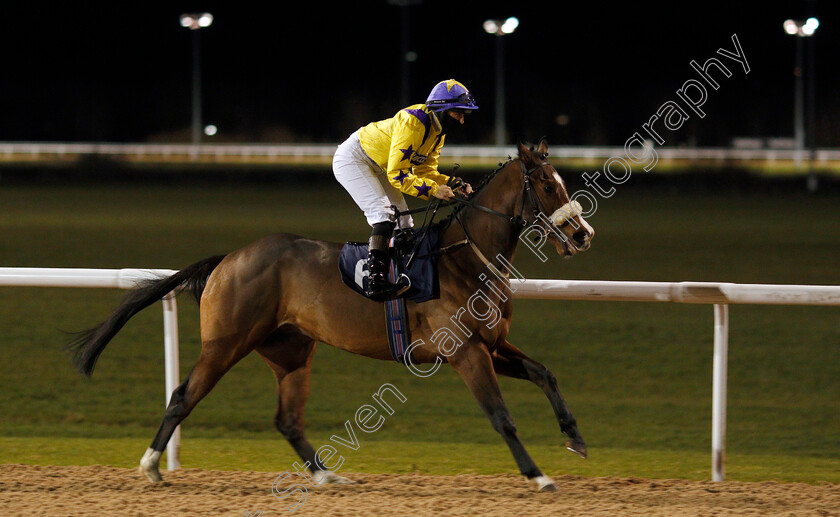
{"x": 569, "y": 215}
{"x": 570, "y": 246}
{"x": 581, "y": 240}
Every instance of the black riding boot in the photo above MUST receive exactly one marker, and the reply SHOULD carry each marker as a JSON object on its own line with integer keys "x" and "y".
{"x": 379, "y": 261}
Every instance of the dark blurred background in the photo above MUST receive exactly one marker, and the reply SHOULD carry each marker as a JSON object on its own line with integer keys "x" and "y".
{"x": 582, "y": 73}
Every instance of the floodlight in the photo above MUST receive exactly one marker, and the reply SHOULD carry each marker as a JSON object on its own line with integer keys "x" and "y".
{"x": 195, "y": 21}
{"x": 510, "y": 25}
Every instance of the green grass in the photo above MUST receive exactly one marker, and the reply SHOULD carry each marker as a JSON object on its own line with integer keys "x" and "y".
{"x": 424, "y": 457}
{"x": 637, "y": 375}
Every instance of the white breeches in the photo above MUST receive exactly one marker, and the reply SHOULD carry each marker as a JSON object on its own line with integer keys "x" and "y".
{"x": 367, "y": 184}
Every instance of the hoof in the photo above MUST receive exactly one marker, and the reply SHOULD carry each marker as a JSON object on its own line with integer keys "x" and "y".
{"x": 328, "y": 477}
{"x": 544, "y": 484}
{"x": 149, "y": 465}
{"x": 577, "y": 447}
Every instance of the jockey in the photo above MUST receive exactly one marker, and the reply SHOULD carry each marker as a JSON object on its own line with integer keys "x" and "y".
{"x": 386, "y": 159}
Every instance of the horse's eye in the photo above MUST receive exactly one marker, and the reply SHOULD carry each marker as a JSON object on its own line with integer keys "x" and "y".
{"x": 549, "y": 189}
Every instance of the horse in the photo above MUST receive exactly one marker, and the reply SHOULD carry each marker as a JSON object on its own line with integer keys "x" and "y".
{"x": 282, "y": 294}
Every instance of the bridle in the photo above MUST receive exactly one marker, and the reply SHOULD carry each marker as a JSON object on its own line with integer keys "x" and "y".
{"x": 537, "y": 207}
{"x": 518, "y": 221}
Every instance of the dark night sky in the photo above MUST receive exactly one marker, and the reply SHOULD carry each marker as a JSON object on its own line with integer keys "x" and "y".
{"x": 98, "y": 73}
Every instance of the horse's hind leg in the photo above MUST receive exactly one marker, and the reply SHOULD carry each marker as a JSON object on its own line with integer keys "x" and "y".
{"x": 474, "y": 364}
{"x": 216, "y": 358}
{"x": 289, "y": 355}
{"x": 512, "y": 362}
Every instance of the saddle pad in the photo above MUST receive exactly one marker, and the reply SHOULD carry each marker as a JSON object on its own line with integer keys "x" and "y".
{"x": 352, "y": 263}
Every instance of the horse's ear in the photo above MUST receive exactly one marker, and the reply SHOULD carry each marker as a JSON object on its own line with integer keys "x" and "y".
{"x": 524, "y": 149}
{"x": 526, "y": 153}
{"x": 542, "y": 149}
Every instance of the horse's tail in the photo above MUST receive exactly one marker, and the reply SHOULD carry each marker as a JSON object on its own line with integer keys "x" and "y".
{"x": 88, "y": 344}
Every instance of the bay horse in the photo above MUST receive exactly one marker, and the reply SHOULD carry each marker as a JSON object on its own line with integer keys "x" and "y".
{"x": 282, "y": 294}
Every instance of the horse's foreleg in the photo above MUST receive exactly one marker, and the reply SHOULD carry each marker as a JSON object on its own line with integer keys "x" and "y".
{"x": 289, "y": 355}
{"x": 474, "y": 364}
{"x": 512, "y": 362}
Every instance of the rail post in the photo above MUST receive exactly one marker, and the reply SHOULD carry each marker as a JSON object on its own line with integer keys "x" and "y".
{"x": 720, "y": 360}
{"x": 172, "y": 373}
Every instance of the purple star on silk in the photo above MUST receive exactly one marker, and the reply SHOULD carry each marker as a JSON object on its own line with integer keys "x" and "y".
{"x": 423, "y": 190}
{"x": 407, "y": 152}
{"x": 401, "y": 176}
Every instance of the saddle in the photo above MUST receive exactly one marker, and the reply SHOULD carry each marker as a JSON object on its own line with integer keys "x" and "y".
{"x": 413, "y": 262}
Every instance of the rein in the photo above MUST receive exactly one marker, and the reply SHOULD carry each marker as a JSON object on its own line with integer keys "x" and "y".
{"x": 518, "y": 221}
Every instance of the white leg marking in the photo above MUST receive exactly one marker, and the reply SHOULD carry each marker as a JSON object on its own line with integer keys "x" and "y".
{"x": 323, "y": 477}
{"x": 544, "y": 484}
{"x": 149, "y": 465}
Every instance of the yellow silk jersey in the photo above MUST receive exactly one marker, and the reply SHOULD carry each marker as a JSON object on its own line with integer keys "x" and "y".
{"x": 407, "y": 146}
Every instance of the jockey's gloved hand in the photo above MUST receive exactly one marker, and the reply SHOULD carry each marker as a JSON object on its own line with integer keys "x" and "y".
{"x": 458, "y": 184}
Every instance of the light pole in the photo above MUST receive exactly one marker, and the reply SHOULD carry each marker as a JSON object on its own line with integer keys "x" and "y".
{"x": 194, "y": 22}
{"x": 803, "y": 29}
{"x": 500, "y": 28}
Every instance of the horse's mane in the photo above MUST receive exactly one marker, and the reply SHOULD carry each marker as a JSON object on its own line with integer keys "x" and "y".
{"x": 456, "y": 209}
{"x": 488, "y": 178}
{"x": 480, "y": 185}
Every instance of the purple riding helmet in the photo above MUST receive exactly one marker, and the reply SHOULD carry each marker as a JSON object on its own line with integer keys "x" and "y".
{"x": 450, "y": 94}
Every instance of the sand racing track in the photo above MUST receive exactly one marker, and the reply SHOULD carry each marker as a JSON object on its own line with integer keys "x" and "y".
{"x": 98, "y": 491}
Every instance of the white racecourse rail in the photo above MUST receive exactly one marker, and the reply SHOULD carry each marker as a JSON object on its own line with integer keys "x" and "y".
{"x": 122, "y": 279}
{"x": 713, "y": 293}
